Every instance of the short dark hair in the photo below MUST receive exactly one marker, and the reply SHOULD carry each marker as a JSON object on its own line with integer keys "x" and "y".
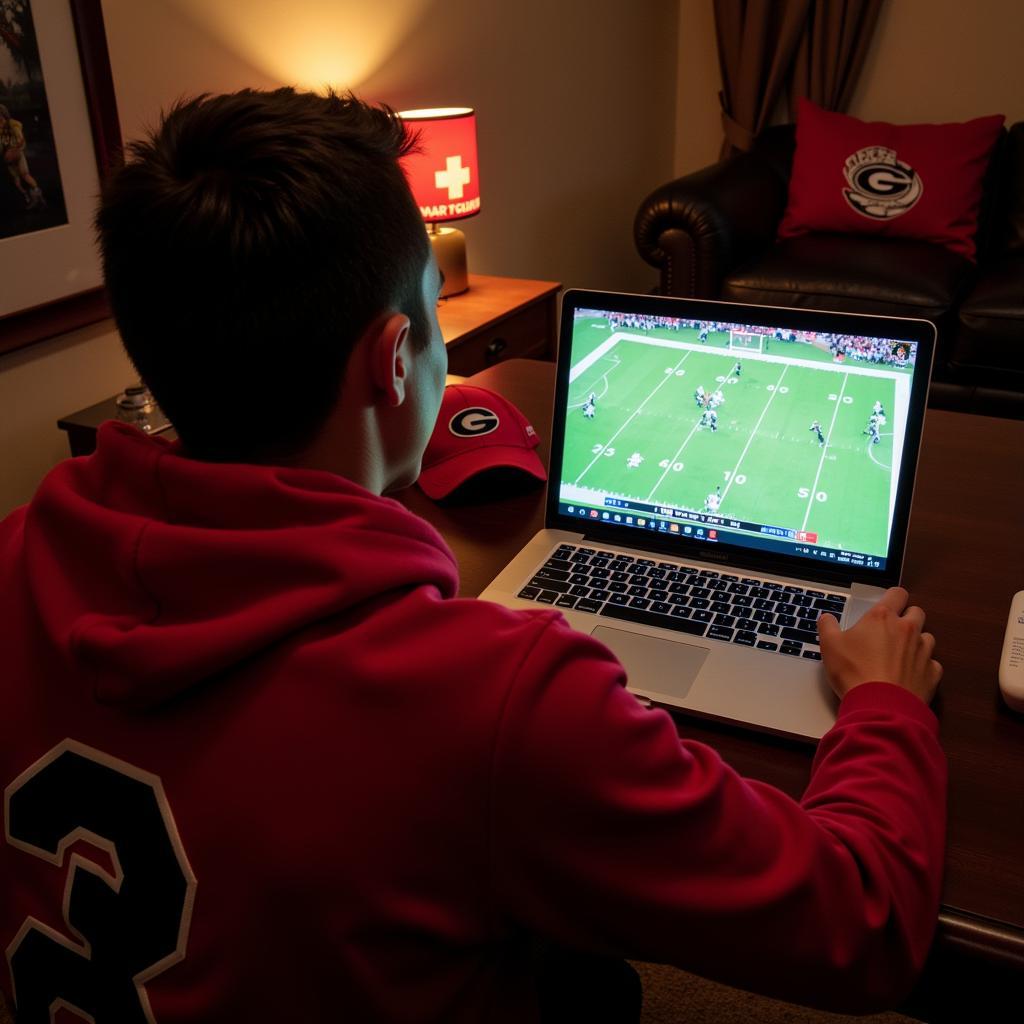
{"x": 247, "y": 243}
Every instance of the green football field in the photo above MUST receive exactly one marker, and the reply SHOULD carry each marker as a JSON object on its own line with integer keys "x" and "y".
{"x": 645, "y": 441}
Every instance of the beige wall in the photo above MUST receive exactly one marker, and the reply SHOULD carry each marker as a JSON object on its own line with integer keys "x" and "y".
{"x": 576, "y": 107}
{"x": 38, "y": 385}
{"x": 931, "y": 60}
{"x": 944, "y": 60}
{"x": 698, "y": 122}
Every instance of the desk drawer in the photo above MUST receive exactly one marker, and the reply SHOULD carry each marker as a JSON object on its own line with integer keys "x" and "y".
{"x": 524, "y": 334}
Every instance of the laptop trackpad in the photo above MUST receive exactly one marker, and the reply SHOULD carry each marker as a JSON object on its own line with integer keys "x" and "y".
{"x": 661, "y": 668}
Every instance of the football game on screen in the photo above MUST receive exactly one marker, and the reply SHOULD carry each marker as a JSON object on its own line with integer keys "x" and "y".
{"x": 764, "y": 436}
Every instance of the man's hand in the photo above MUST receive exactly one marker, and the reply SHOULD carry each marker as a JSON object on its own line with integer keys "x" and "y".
{"x": 884, "y": 647}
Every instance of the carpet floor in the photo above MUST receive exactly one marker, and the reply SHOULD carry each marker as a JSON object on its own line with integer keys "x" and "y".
{"x": 672, "y": 996}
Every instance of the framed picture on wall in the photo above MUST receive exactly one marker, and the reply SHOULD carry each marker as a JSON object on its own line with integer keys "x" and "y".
{"x": 59, "y": 135}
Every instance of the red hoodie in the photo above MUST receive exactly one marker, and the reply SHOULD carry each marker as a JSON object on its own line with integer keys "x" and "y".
{"x": 261, "y": 764}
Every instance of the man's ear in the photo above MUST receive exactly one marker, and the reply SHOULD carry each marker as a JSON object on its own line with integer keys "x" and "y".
{"x": 388, "y": 363}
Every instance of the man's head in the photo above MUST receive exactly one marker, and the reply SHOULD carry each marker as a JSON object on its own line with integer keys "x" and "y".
{"x": 248, "y": 244}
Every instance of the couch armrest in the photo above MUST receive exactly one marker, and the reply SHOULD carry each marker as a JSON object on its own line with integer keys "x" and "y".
{"x": 697, "y": 228}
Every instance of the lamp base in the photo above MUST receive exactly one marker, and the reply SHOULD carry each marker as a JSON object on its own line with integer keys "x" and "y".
{"x": 449, "y": 245}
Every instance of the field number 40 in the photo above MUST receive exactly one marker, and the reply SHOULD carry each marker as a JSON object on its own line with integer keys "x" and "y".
{"x": 847, "y": 400}
{"x": 805, "y": 492}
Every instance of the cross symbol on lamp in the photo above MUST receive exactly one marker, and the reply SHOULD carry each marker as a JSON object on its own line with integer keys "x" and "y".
{"x": 453, "y": 177}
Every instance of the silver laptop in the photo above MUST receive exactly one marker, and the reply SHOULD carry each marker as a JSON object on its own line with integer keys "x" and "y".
{"x": 720, "y": 475}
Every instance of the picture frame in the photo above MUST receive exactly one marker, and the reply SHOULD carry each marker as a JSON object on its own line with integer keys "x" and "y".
{"x": 49, "y": 254}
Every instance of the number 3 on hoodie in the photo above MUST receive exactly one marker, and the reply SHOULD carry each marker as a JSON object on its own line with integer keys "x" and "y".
{"x": 131, "y": 925}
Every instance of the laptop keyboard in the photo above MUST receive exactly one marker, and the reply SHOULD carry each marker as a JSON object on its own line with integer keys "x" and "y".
{"x": 700, "y": 602}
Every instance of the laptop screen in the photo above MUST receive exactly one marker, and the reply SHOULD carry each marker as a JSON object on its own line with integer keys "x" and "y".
{"x": 771, "y": 433}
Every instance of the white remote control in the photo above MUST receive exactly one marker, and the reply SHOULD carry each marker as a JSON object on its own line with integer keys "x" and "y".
{"x": 1011, "y": 664}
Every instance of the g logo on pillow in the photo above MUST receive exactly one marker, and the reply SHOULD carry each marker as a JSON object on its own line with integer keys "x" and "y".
{"x": 881, "y": 186}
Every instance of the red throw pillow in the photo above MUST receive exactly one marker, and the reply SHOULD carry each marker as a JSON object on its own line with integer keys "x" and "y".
{"x": 899, "y": 180}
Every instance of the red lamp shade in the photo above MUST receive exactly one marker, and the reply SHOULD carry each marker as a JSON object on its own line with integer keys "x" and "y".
{"x": 443, "y": 176}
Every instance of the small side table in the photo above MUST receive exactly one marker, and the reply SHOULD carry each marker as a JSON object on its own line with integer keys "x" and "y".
{"x": 499, "y": 318}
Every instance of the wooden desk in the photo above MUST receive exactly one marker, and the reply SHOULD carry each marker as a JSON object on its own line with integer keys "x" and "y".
{"x": 499, "y": 318}
{"x": 965, "y": 559}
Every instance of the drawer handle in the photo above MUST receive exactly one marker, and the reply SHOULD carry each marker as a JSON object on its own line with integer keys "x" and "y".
{"x": 494, "y": 350}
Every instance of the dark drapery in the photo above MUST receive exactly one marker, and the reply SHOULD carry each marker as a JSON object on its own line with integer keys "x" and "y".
{"x": 831, "y": 53}
{"x": 771, "y": 48}
{"x": 757, "y": 40}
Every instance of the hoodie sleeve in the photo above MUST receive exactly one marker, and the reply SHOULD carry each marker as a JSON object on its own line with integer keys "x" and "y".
{"x": 611, "y": 834}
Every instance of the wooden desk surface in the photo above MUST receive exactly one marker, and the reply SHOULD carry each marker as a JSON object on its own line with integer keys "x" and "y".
{"x": 965, "y": 559}
{"x": 488, "y": 300}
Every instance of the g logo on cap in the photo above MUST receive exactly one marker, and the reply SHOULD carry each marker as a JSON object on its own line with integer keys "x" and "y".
{"x": 473, "y": 422}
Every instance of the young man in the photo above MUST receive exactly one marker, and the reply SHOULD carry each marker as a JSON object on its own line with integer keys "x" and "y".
{"x": 260, "y": 763}
{"x": 816, "y": 429}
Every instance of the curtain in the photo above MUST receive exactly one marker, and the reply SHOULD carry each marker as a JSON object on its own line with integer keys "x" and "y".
{"x": 757, "y": 41}
{"x": 831, "y": 54}
{"x": 771, "y": 48}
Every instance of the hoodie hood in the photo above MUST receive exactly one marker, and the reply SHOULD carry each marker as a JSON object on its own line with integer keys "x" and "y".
{"x": 150, "y": 571}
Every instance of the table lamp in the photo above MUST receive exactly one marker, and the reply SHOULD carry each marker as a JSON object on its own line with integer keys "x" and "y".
{"x": 445, "y": 183}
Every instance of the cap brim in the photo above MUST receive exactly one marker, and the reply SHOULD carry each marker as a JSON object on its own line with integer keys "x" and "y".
{"x": 440, "y": 480}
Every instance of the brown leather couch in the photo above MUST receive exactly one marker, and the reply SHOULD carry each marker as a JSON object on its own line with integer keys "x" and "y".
{"x": 712, "y": 235}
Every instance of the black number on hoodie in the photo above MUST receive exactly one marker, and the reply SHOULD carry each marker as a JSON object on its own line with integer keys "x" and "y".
{"x": 129, "y": 923}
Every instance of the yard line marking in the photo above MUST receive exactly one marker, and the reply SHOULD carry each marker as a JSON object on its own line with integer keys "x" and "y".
{"x": 821, "y": 461}
{"x": 588, "y": 361}
{"x": 872, "y": 454}
{"x": 753, "y": 433}
{"x": 615, "y": 361}
{"x": 667, "y": 377}
{"x": 679, "y": 451}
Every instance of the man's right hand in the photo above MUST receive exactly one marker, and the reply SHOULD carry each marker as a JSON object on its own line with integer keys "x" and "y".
{"x": 885, "y": 646}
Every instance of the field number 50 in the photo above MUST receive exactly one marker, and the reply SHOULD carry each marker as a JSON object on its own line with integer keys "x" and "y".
{"x": 805, "y": 492}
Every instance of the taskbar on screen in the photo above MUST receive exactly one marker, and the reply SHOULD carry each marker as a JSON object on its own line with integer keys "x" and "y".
{"x": 710, "y": 528}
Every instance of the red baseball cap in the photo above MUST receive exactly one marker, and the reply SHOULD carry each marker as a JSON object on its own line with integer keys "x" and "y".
{"x": 476, "y": 429}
